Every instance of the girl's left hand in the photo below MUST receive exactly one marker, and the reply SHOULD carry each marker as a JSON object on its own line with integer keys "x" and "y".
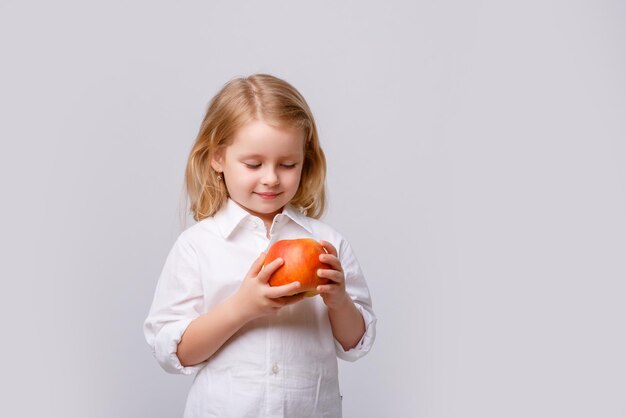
{"x": 334, "y": 293}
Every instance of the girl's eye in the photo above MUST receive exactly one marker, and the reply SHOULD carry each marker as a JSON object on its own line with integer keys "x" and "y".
{"x": 253, "y": 166}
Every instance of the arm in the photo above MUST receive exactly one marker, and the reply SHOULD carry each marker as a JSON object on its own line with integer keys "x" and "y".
{"x": 208, "y": 332}
{"x": 255, "y": 298}
{"x": 346, "y": 321}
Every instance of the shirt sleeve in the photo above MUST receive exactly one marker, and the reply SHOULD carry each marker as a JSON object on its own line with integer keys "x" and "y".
{"x": 360, "y": 295}
{"x": 178, "y": 300}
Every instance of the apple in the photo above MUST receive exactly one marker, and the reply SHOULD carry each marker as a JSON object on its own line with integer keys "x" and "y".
{"x": 301, "y": 262}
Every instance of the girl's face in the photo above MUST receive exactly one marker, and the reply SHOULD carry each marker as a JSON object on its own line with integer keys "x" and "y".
{"x": 262, "y": 167}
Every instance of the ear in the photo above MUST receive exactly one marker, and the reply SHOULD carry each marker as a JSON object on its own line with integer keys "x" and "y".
{"x": 217, "y": 160}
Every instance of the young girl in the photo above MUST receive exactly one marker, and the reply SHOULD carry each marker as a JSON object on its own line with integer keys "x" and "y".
{"x": 256, "y": 175}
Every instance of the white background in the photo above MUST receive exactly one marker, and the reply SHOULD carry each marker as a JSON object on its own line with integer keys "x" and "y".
{"x": 477, "y": 164}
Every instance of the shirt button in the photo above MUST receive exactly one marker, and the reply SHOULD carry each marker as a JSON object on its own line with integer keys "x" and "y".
{"x": 275, "y": 369}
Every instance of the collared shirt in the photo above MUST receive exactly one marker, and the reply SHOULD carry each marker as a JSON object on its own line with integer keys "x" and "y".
{"x": 282, "y": 365}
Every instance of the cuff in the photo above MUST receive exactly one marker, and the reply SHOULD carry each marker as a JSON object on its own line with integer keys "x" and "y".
{"x": 166, "y": 345}
{"x": 365, "y": 344}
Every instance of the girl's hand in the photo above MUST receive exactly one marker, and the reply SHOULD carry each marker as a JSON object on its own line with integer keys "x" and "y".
{"x": 256, "y": 298}
{"x": 334, "y": 294}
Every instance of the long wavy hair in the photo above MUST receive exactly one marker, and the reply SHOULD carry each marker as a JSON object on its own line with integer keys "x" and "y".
{"x": 257, "y": 97}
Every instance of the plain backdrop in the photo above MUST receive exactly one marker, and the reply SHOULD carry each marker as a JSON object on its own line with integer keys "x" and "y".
{"x": 477, "y": 164}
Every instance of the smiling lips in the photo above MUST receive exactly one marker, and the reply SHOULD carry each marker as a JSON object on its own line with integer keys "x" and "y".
{"x": 267, "y": 196}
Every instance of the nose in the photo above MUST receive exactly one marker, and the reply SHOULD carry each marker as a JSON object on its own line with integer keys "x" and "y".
{"x": 270, "y": 177}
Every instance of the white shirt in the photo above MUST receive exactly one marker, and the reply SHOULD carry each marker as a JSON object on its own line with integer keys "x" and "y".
{"x": 282, "y": 365}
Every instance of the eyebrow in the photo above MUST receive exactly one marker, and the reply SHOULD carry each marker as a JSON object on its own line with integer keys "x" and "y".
{"x": 259, "y": 156}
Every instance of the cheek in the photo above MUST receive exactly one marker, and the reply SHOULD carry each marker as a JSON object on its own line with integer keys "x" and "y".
{"x": 294, "y": 179}
{"x": 239, "y": 179}
{"x": 245, "y": 179}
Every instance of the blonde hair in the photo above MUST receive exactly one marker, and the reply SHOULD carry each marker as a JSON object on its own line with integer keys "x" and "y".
{"x": 257, "y": 97}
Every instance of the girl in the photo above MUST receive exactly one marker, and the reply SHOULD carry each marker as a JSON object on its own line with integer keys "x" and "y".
{"x": 256, "y": 175}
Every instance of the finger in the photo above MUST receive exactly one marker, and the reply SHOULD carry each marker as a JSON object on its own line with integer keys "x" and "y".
{"x": 269, "y": 269}
{"x": 256, "y": 265}
{"x": 332, "y": 275}
{"x": 325, "y": 288}
{"x": 289, "y": 289}
{"x": 331, "y": 260}
{"x": 329, "y": 247}
{"x": 290, "y": 300}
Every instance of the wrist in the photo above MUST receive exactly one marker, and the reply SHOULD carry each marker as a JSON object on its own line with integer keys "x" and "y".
{"x": 342, "y": 304}
{"x": 237, "y": 310}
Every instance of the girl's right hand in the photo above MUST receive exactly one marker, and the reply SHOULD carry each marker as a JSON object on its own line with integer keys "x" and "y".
{"x": 256, "y": 298}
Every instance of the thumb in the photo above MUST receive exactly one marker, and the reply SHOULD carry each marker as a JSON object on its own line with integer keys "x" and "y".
{"x": 269, "y": 269}
{"x": 256, "y": 266}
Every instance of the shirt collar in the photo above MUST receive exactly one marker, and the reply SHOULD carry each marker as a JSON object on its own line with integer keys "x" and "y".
{"x": 298, "y": 217}
{"x": 231, "y": 215}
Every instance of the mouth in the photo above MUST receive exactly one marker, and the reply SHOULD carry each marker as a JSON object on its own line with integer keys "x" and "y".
{"x": 267, "y": 196}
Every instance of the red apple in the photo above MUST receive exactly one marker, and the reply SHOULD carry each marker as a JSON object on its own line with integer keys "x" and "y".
{"x": 301, "y": 262}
